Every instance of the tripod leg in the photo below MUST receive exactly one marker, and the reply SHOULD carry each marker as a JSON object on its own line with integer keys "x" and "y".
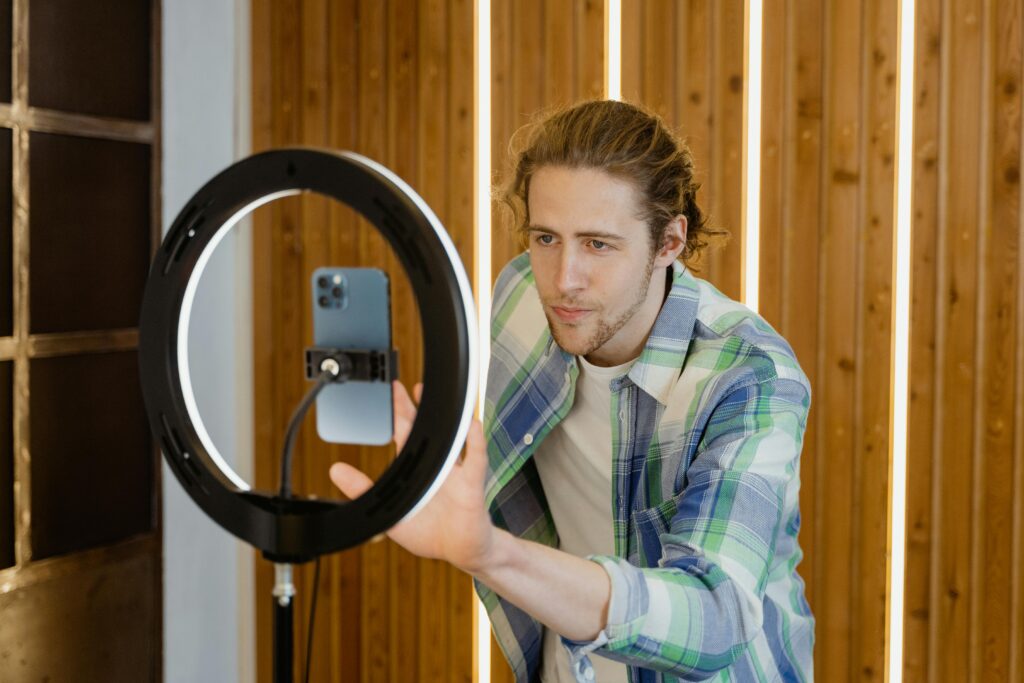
{"x": 284, "y": 653}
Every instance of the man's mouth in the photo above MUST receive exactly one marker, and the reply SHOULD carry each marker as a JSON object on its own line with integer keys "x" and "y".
{"x": 570, "y": 315}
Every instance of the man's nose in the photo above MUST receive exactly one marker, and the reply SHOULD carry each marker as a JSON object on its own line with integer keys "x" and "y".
{"x": 571, "y": 275}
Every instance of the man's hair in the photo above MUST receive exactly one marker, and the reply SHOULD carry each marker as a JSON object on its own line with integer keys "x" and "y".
{"x": 625, "y": 141}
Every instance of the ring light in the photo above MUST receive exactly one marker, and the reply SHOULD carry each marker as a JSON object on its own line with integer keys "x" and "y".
{"x": 294, "y": 529}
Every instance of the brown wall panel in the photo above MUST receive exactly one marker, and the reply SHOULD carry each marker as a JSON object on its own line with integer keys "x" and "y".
{"x": 6, "y": 216}
{"x": 544, "y": 54}
{"x": 91, "y": 58}
{"x": 96, "y": 624}
{"x": 923, "y": 350}
{"x": 92, "y": 483}
{"x": 89, "y": 197}
{"x": 965, "y": 581}
{"x": 826, "y": 208}
{"x": 6, "y": 17}
{"x": 827, "y": 189}
{"x": 6, "y": 464}
{"x": 876, "y": 230}
{"x": 393, "y": 81}
{"x": 828, "y": 152}
{"x": 791, "y": 225}
{"x": 94, "y": 612}
{"x": 725, "y": 167}
{"x": 684, "y": 60}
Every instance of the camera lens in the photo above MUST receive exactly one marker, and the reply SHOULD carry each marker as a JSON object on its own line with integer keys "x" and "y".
{"x": 336, "y": 292}
{"x": 324, "y": 301}
{"x": 321, "y": 282}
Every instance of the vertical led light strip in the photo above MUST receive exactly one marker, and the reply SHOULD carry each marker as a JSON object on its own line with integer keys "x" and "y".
{"x": 613, "y": 49}
{"x": 752, "y": 154}
{"x": 901, "y": 337}
{"x": 482, "y": 263}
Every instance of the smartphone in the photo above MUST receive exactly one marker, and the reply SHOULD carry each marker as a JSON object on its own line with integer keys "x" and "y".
{"x": 352, "y": 310}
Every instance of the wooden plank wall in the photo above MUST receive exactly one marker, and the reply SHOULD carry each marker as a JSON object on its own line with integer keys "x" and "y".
{"x": 965, "y": 570}
{"x": 828, "y": 147}
{"x": 829, "y": 69}
{"x": 394, "y": 81}
{"x": 544, "y": 54}
{"x": 684, "y": 60}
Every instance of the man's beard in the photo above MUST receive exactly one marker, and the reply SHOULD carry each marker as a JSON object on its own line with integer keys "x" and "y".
{"x": 605, "y": 329}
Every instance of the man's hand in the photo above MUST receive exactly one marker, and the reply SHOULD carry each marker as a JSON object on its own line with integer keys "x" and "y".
{"x": 566, "y": 593}
{"x": 454, "y": 526}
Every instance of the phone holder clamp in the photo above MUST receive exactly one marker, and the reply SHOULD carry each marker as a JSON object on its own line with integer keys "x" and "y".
{"x": 352, "y": 365}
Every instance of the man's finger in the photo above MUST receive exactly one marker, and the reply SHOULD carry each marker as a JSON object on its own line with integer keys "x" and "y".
{"x": 403, "y": 404}
{"x": 404, "y": 413}
{"x": 351, "y": 481}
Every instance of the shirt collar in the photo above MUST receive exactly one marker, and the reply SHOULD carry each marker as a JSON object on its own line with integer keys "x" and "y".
{"x": 661, "y": 360}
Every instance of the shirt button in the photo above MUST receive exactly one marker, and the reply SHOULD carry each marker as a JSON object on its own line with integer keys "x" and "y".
{"x": 528, "y": 439}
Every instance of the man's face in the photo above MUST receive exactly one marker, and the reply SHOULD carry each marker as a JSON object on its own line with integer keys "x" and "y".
{"x": 593, "y": 263}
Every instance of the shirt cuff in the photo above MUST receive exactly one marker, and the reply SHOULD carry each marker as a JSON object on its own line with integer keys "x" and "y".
{"x": 618, "y": 615}
{"x": 618, "y": 604}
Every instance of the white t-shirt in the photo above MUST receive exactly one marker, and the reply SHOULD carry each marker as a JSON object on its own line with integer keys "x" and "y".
{"x": 575, "y": 466}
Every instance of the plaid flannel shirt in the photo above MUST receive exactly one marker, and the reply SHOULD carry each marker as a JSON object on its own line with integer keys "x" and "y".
{"x": 707, "y": 428}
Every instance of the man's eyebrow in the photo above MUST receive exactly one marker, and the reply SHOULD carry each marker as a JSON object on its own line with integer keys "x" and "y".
{"x": 584, "y": 233}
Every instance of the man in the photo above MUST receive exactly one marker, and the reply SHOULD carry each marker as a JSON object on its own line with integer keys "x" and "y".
{"x": 632, "y": 512}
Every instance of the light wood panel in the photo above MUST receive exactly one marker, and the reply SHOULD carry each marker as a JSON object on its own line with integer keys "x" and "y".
{"x": 792, "y": 149}
{"x": 826, "y": 280}
{"x": 828, "y": 142}
{"x": 923, "y": 349}
{"x": 965, "y": 577}
{"x": 393, "y": 81}
{"x": 826, "y": 208}
{"x": 684, "y": 60}
{"x": 544, "y": 54}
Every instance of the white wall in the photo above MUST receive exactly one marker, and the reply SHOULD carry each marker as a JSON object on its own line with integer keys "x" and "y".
{"x": 208, "y": 593}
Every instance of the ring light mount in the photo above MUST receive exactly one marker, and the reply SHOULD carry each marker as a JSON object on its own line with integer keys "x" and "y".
{"x": 297, "y": 529}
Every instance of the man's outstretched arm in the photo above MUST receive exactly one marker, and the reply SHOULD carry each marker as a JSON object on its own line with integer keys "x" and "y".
{"x": 568, "y": 594}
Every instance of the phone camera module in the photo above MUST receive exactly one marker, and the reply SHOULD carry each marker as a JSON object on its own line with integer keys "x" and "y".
{"x": 331, "y": 289}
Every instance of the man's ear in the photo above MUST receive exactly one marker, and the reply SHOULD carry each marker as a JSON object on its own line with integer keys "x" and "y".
{"x": 673, "y": 242}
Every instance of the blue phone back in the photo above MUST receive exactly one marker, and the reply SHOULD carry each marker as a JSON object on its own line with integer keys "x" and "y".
{"x": 353, "y": 412}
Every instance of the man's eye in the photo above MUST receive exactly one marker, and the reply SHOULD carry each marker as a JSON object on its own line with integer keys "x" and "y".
{"x": 544, "y": 239}
{"x": 599, "y": 245}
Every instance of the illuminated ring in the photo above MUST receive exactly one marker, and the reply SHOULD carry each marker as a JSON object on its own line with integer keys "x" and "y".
{"x": 301, "y": 528}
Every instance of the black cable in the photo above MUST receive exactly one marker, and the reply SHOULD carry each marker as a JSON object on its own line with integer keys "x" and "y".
{"x": 312, "y": 618}
{"x": 323, "y": 380}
